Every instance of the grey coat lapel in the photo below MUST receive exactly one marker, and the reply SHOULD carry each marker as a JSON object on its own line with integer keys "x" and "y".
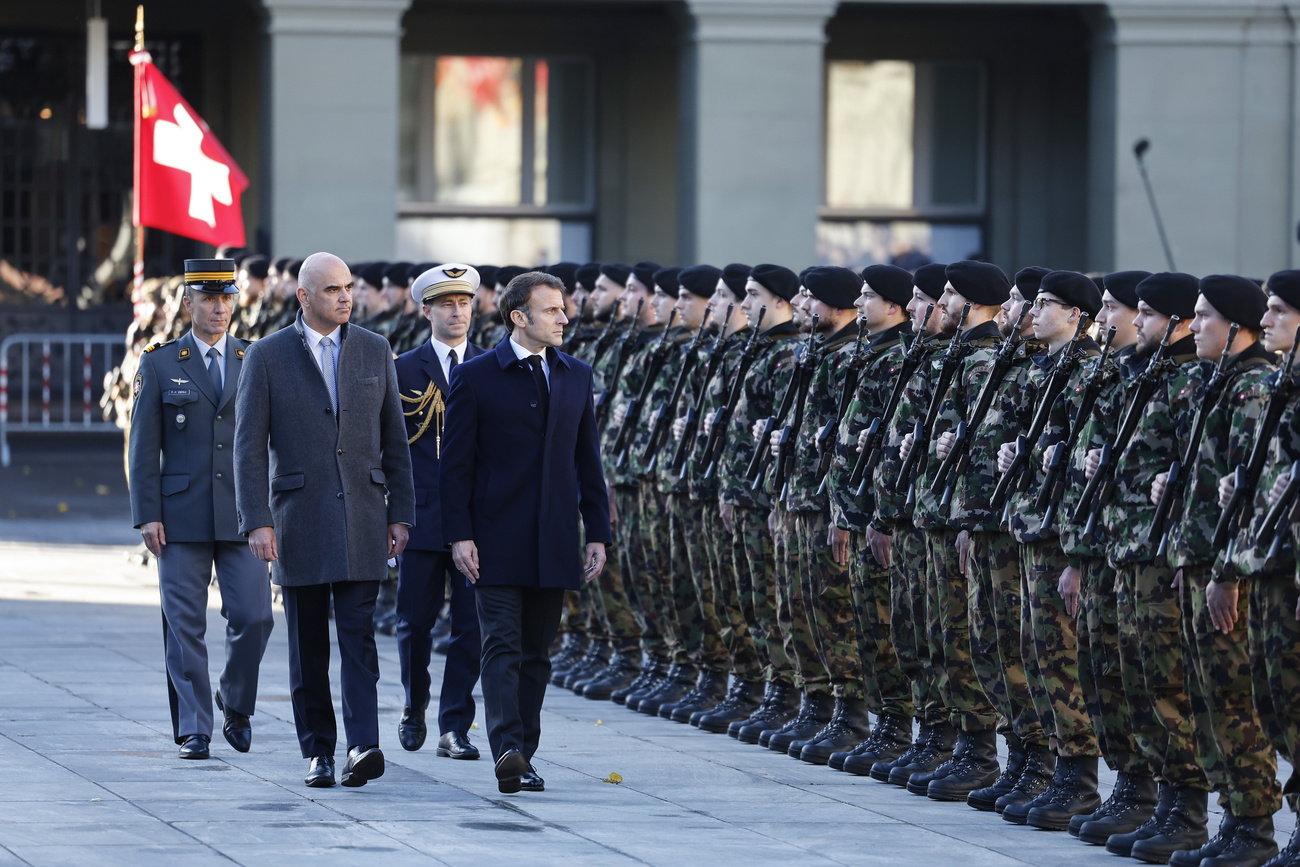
{"x": 234, "y": 363}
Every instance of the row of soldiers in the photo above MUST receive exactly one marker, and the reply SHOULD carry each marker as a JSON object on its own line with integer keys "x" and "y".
{"x": 1060, "y": 509}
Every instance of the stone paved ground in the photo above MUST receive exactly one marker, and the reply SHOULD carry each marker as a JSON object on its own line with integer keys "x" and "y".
{"x": 90, "y": 775}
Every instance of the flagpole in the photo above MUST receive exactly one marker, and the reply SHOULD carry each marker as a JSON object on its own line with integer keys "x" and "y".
{"x": 138, "y": 282}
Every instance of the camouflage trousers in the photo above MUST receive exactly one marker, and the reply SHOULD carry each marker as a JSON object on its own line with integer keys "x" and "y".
{"x": 1151, "y": 665}
{"x": 1100, "y": 681}
{"x": 691, "y": 585}
{"x": 733, "y": 595}
{"x": 886, "y": 689}
{"x": 908, "y": 619}
{"x": 634, "y": 571}
{"x": 1052, "y": 651}
{"x": 1275, "y": 667}
{"x": 791, "y": 611}
{"x": 996, "y": 636}
{"x": 753, "y": 557}
{"x": 949, "y": 623}
{"x": 1231, "y": 743}
{"x": 828, "y": 601}
{"x": 655, "y": 579}
{"x": 612, "y": 606}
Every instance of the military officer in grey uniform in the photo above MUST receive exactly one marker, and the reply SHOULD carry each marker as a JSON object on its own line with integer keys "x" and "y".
{"x": 183, "y": 503}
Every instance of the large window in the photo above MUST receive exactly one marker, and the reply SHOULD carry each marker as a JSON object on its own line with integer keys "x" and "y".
{"x": 904, "y": 162}
{"x": 496, "y": 159}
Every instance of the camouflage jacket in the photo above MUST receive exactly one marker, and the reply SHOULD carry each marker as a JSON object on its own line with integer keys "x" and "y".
{"x": 676, "y": 342}
{"x": 881, "y": 360}
{"x": 716, "y": 392}
{"x": 665, "y": 478}
{"x": 760, "y": 391}
{"x": 1221, "y": 448}
{"x": 1160, "y": 437}
{"x": 821, "y": 407}
{"x": 891, "y": 506}
{"x": 981, "y": 343}
{"x": 625, "y": 389}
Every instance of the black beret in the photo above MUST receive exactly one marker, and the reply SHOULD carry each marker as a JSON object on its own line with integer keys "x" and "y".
{"x": 931, "y": 279}
{"x": 1170, "y": 293}
{"x": 398, "y": 273}
{"x": 1238, "y": 299}
{"x": 281, "y": 265}
{"x": 833, "y": 285}
{"x": 587, "y": 274}
{"x": 617, "y": 273}
{"x": 373, "y": 273}
{"x": 1285, "y": 285}
{"x": 701, "y": 280}
{"x": 735, "y": 276}
{"x": 1075, "y": 289}
{"x": 417, "y": 270}
{"x": 507, "y": 273}
{"x": 1122, "y": 285}
{"x": 889, "y": 282}
{"x": 294, "y": 267}
{"x": 979, "y": 282}
{"x": 777, "y": 279}
{"x": 666, "y": 279}
{"x": 803, "y": 275}
{"x": 1027, "y": 280}
{"x": 565, "y": 271}
{"x": 256, "y": 266}
{"x": 487, "y": 276}
{"x": 645, "y": 272}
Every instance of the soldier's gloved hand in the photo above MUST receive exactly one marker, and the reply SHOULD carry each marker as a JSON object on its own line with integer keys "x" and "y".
{"x": 945, "y": 444}
{"x": 1227, "y": 487}
{"x": 154, "y": 537}
{"x": 1275, "y": 493}
{"x": 1006, "y": 456}
{"x": 1221, "y": 602}
{"x": 862, "y": 439}
{"x": 757, "y": 430}
{"x": 679, "y": 429}
{"x": 1092, "y": 463}
{"x": 1158, "y": 488}
{"x": 774, "y": 443}
{"x": 1068, "y": 586}
{"x": 905, "y": 447}
{"x": 706, "y": 424}
{"x": 654, "y": 417}
{"x": 620, "y": 413}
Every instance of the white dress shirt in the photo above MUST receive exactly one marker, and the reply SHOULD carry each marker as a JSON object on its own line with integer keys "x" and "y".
{"x": 313, "y": 343}
{"x": 443, "y": 351}
{"x": 523, "y": 355}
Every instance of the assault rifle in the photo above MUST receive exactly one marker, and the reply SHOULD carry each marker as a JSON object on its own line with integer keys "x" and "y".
{"x": 567, "y": 346}
{"x": 624, "y": 350}
{"x": 718, "y": 431}
{"x": 607, "y": 336}
{"x": 687, "y": 442}
{"x": 1286, "y": 505}
{"x": 825, "y": 439}
{"x": 914, "y": 465}
{"x": 632, "y": 416}
{"x": 763, "y": 451}
{"x": 663, "y": 420}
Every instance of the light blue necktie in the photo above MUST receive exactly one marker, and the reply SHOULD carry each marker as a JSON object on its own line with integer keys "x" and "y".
{"x": 329, "y": 371}
{"x": 214, "y": 370}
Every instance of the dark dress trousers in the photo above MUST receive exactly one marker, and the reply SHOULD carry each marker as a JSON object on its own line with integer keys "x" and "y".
{"x": 181, "y": 454}
{"x": 426, "y": 568}
{"x": 514, "y": 473}
{"x": 329, "y": 486}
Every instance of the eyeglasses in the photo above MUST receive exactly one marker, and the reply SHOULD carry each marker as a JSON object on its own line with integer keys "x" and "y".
{"x": 1040, "y": 301}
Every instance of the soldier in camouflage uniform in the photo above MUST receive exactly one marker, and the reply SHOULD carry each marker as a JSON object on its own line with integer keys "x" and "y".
{"x": 823, "y": 569}
{"x": 1238, "y": 758}
{"x": 1151, "y": 663}
{"x": 974, "y": 763}
{"x": 886, "y": 291}
{"x": 494, "y": 330}
{"x": 1065, "y": 300}
{"x": 902, "y": 545}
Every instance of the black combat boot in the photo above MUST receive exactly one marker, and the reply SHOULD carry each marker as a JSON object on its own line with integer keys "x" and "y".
{"x": 850, "y": 725}
{"x": 1251, "y": 846}
{"x": 936, "y": 752}
{"x": 1290, "y": 854}
{"x": 1076, "y": 794}
{"x": 986, "y": 799}
{"x": 890, "y": 738}
{"x": 1120, "y": 843}
{"x": 710, "y": 687}
{"x": 678, "y": 681}
{"x": 567, "y": 660}
{"x": 592, "y": 661}
{"x": 1183, "y": 828}
{"x": 814, "y": 712}
{"x": 880, "y": 770}
{"x": 741, "y": 702}
{"x": 919, "y": 783}
{"x": 777, "y": 709}
{"x": 620, "y": 673}
{"x": 652, "y": 669}
{"x": 977, "y": 768}
{"x": 1130, "y": 804}
{"x": 1217, "y": 843}
{"x": 1035, "y": 778}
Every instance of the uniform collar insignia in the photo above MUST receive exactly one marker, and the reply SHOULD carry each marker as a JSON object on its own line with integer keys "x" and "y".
{"x": 184, "y": 354}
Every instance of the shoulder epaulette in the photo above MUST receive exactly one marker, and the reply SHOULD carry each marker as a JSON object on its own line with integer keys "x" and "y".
{"x": 159, "y": 345}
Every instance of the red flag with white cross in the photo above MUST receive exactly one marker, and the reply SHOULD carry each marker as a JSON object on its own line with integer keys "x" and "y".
{"x": 185, "y": 182}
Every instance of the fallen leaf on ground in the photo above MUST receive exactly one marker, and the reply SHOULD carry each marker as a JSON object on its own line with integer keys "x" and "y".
{"x": 613, "y": 778}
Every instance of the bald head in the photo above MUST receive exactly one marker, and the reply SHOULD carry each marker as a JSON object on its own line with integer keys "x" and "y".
{"x": 325, "y": 292}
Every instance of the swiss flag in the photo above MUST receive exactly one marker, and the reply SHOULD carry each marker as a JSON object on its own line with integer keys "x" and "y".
{"x": 185, "y": 182}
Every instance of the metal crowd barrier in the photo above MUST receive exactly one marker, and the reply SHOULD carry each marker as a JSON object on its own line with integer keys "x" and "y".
{"x": 59, "y": 377}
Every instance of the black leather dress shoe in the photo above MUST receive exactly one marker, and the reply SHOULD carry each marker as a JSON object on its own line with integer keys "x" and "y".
{"x": 411, "y": 730}
{"x": 321, "y": 773}
{"x": 454, "y": 745}
{"x": 531, "y": 781}
{"x": 195, "y": 747}
{"x": 363, "y": 765}
{"x": 237, "y": 728}
{"x": 509, "y": 769}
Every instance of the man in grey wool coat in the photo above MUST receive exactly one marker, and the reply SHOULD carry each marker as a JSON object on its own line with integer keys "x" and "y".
{"x": 324, "y": 493}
